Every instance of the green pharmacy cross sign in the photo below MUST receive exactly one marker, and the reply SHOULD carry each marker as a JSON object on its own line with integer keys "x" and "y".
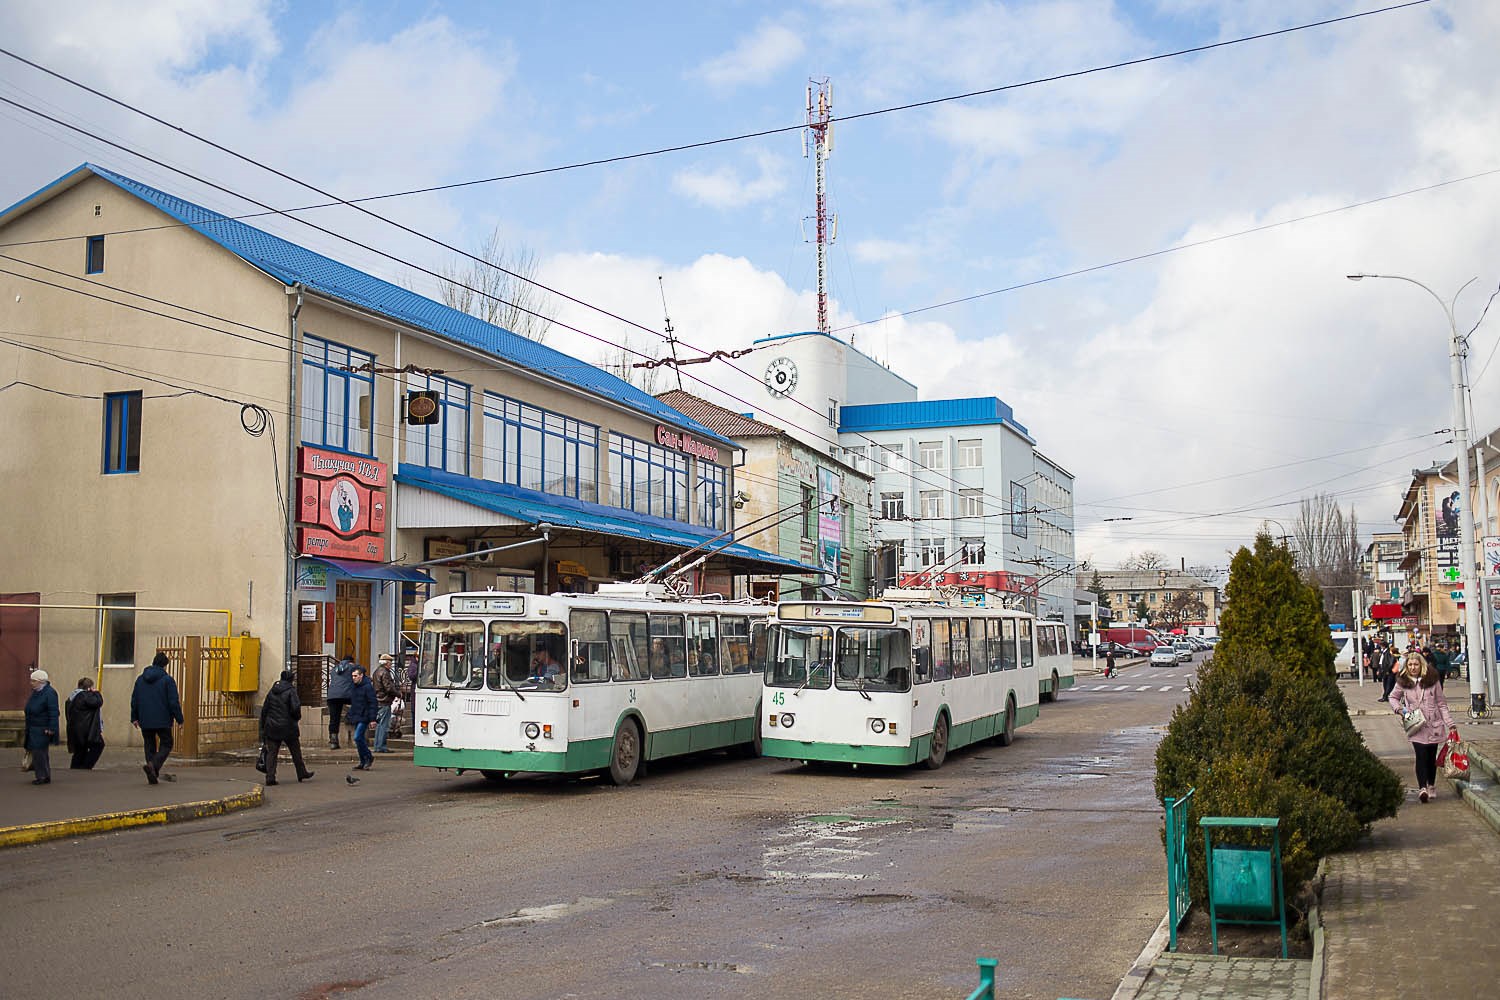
{"x": 1452, "y": 574}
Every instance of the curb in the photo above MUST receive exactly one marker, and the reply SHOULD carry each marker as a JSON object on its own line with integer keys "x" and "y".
{"x": 36, "y": 833}
{"x": 1141, "y": 968}
{"x": 1481, "y": 805}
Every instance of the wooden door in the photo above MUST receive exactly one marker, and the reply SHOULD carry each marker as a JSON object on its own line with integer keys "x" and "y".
{"x": 351, "y": 621}
{"x": 18, "y": 649}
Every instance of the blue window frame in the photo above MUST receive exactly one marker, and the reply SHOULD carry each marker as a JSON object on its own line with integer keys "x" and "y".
{"x": 337, "y": 403}
{"x": 537, "y": 449}
{"x": 444, "y": 444}
{"x": 122, "y": 433}
{"x": 713, "y": 495}
{"x": 647, "y": 478}
{"x": 94, "y": 258}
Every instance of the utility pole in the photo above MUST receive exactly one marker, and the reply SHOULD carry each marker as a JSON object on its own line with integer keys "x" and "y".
{"x": 671, "y": 340}
{"x": 817, "y": 141}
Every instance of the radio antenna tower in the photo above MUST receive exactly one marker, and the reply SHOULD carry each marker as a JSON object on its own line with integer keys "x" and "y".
{"x": 817, "y": 141}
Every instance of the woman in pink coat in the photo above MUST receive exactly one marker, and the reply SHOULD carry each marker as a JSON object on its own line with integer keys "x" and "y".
{"x": 1417, "y": 688}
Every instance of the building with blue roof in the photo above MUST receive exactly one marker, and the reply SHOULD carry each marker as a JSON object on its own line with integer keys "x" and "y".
{"x": 203, "y": 415}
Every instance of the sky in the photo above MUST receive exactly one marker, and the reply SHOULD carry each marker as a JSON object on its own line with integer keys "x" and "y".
{"x": 1153, "y": 256}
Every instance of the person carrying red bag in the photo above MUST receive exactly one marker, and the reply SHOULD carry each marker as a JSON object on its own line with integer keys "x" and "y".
{"x": 1417, "y": 690}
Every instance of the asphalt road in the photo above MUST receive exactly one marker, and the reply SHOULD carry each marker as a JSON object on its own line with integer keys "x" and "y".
{"x": 717, "y": 877}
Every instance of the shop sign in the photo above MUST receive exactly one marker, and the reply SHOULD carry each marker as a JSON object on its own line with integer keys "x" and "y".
{"x": 442, "y": 548}
{"x": 341, "y": 501}
{"x": 685, "y": 443}
{"x": 311, "y": 576}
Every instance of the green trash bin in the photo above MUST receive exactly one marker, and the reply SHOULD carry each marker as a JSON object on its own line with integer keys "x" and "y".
{"x": 1244, "y": 881}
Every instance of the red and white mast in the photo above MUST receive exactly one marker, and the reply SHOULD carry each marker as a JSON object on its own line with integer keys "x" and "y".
{"x": 817, "y": 141}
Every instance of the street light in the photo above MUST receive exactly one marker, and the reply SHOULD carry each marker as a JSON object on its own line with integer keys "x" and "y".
{"x": 1472, "y": 616}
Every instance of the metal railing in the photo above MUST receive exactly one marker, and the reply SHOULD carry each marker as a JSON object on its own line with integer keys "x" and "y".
{"x": 1179, "y": 898}
{"x": 986, "y": 990}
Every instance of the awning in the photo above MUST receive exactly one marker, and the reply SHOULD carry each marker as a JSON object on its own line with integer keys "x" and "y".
{"x": 623, "y": 525}
{"x": 1380, "y": 611}
{"x": 371, "y": 571}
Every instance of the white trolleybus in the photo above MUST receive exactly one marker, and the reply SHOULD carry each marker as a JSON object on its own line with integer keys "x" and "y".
{"x": 578, "y": 683}
{"x": 902, "y": 680}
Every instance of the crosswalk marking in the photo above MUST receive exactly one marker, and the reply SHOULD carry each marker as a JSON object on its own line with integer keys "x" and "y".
{"x": 1144, "y": 687}
{"x": 1166, "y": 687}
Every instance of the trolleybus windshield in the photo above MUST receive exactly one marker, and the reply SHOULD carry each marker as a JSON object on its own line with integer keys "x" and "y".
{"x": 872, "y": 659}
{"x": 505, "y": 656}
{"x": 801, "y": 656}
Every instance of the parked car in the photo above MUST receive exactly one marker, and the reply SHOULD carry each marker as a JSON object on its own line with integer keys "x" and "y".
{"x": 1164, "y": 656}
{"x": 1198, "y": 644}
{"x": 1105, "y": 648}
{"x": 1141, "y": 647}
{"x": 1184, "y": 651}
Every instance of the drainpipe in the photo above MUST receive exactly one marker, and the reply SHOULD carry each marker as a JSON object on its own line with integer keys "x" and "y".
{"x": 294, "y": 352}
{"x": 398, "y": 381}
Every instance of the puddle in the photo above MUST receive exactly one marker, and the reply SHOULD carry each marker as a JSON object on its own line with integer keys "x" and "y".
{"x": 545, "y": 914}
{"x": 735, "y": 967}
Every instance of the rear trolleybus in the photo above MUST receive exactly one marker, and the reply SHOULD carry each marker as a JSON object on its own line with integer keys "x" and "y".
{"x": 578, "y": 683}
{"x": 896, "y": 681}
{"x": 1054, "y": 660}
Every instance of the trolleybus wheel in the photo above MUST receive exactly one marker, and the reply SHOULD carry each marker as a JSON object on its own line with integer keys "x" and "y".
{"x": 495, "y": 776}
{"x": 1006, "y": 736}
{"x": 1056, "y": 687}
{"x": 625, "y": 755}
{"x": 937, "y": 751}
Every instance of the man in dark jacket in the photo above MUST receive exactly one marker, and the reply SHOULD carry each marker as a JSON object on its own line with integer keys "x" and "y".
{"x": 363, "y": 711}
{"x": 154, "y": 707}
{"x": 279, "y": 715}
{"x": 85, "y": 712}
{"x": 338, "y": 696}
{"x": 386, "y": 690}
{"x": 1385, "y": 669}
{"x": 41, "y": 726}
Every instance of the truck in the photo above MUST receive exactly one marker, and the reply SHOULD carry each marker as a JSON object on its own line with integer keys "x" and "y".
{"x": 1138, "y": 639}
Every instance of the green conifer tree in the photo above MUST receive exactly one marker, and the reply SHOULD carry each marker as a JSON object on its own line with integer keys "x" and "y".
{"x": 1269, "y": 607}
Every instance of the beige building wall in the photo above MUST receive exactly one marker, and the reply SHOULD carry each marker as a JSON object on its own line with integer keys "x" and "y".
{"x": 199, "y": 525}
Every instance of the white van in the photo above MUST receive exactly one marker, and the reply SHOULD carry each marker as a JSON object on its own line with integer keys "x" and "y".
{"x": 1343, "y": 660}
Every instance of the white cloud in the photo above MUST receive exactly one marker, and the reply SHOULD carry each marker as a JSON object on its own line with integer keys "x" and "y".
{"x": 758, "y": 56}
{"x": 724, "y": 187}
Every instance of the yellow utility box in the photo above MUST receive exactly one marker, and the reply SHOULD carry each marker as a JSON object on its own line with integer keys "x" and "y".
{"x": 242, "y": 672}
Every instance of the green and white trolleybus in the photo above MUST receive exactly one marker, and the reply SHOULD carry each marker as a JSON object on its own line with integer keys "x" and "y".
{"x": 577, "y": 683}
{"x": 897, "y": 681}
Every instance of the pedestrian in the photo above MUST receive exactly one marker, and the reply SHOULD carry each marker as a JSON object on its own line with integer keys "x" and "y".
{"x": 279, "y": 715}
{"x": 85, "y": 713}
{"x": 1417, "y": 689}
{"x": 1109, "y": 663}
{"x": 386, "y": 692}
{"x": 338, "y": 696}
{"x": 1441, "y": 662}
{"x": 41, "y": 726}
{"x": 363, "y": 710}
{"x": 154, "y": 707}
{"x": 1385, "y": 669}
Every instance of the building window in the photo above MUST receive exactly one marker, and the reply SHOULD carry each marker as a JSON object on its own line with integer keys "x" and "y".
{"x": 893, "y": 506}
{"x": 833, "y": 413}
{"x": 932, "y": 551}
{"x": 117, "y": 629}
{"x": 892, "y": 458}
{"x": 647, "y": 478}
{"x": 930, "y": 455}
{"x": 713, "y": 496}
{"x": 1018, "y": 512}
{"x": 971, "y": 454}
{"x": 973, "y": 549}
{"x": 122, "y": 432}
{"x": 94, "y": 263}
{"x": 970, "y": 503}
{"x": 809, "y": 516}
{"x": 445, "y": 444}
{"x": 856, "y": 458}
{"x": 539, "y": 450}
{"x": 931, "y": 504}
{"x": 336, "y": 401}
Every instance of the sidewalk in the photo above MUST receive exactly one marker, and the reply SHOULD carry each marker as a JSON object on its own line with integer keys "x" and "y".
{"x": 1409, "y": 912}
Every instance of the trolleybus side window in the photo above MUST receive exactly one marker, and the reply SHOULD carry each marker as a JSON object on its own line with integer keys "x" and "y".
{"x": 1026, "y": 649}
{"x": 452, "y": 655}
{"x": 590, "y": 646}
{"x": 960, "y": 647}
{"x": 703, "y": 645}
{"x": 994, "y": 645}
{"x": 630, "y": 645}
{"x": 736, "y": 632}
{"x": 873, "y": 659}
{"x": 921, "y": 648}
{"x": 668, "y": 646}
{"x": 1008, "y": 644}
{"x": 942, "y": 656}
{"x": 978, "y": 662}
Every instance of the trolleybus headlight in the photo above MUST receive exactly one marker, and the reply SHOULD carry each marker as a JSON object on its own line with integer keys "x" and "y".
{"x": 877, "y": 725}
{"x": 787, "y": 718}
{"x": 532, "y": 730}
{"x": 440, "y": 727}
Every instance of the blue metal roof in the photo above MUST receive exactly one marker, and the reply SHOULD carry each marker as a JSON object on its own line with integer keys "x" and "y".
{"x": 564, "y": 512}
{"x": 371, "y": 571}
{"x": 928, "y": 413}
{"x": 293, "y": 264}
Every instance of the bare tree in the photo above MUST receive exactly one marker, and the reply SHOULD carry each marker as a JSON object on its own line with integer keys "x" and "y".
{"x": 1328, "y": 553}
{"x": 498, "y": 288}
{"x": 1145, "y": 561}
{"x": 622, "y": 360}
{"x": 1184, "y": 608}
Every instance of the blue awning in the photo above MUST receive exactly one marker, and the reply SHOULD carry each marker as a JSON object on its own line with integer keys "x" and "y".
{"x": 575, "y": 515}
{"x": 371, "y": 571}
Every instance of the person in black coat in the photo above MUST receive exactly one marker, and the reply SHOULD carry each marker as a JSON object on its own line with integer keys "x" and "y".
{"x": 41, "y": 726}
{"x": 279, "y": 715}
{"x": 363, "y": 710}
{"x": 85, "y": 712}
{"x": 154, "y": 706}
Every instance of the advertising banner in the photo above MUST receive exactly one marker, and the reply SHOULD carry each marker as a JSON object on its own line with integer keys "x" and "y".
{"x": 341, "y": 502}
{"x": 830, "y": 522}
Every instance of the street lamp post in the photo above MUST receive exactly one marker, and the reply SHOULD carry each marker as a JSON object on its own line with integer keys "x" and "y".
{"x": 1475, "y": 640}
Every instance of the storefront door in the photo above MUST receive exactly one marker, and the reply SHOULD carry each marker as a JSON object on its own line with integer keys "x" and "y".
{"x": 351, "y": 621}
{"x": 19, "y": 628}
